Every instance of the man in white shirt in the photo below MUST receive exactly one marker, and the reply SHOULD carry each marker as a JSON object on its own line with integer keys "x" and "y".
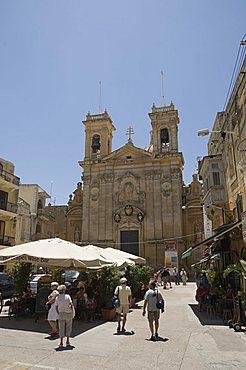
{"x": 124, "y": 294}
{"x": 152, "y": 296}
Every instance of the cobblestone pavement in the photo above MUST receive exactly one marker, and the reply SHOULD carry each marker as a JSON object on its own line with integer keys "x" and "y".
{"x": 188, "y": 340}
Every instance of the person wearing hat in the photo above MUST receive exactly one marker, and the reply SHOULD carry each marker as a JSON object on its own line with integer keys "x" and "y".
{"x": 52, "y": 314}
{"x": 124, "y": 294}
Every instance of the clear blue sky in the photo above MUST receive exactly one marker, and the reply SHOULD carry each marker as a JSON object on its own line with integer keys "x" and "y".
{"x": 54, "y": 53}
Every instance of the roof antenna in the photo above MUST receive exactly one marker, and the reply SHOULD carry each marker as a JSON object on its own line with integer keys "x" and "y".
{"x": 162, "y": 89}
{"x": 51, "y": 189}
{"x": 100, "y": 96}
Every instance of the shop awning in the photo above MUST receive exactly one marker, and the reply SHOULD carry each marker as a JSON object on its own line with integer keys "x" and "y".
{"x": 205, "y": 259}
{"x": 213, "y": 238}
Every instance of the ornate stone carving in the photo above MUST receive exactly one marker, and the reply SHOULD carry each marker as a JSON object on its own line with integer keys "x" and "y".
{"x": 166, "y": 188}
{"x": 129, "y": 190}
{"x": 94, "y": 193}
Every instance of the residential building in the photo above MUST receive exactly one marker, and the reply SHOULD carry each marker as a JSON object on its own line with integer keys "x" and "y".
{"x": 9, "y": 189}
{"x": 34, "y": 222}
{"x": 223, "y": 174}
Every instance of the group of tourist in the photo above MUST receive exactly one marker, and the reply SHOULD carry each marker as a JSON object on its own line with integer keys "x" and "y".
{"x": 214, "y": 294}
{"x": 64, "y": 302}
{"x": 61, "y": 309}
{"x": 153, "y": 303}
{"x": 164, "y": 277}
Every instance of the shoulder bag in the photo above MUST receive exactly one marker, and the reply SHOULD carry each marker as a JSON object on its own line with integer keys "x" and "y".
{"x": 116, "y": 300}
{"x": 159, "y": 302}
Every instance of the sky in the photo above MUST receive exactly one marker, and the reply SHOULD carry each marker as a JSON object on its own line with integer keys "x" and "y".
{"x": 53, "y": 53}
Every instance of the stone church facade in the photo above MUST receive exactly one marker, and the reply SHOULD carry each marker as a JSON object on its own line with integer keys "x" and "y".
{"x": 130, "y": 198}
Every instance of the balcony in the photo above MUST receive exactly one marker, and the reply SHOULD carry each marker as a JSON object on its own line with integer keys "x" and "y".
{"x": 8, "y": 181}
{"x": 215, "y": 195}
{"x": 7, "y": 210}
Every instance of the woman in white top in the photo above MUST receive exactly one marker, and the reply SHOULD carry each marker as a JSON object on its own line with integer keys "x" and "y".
{"x": 52, "y": 314}
{"x": 65, "y": 309}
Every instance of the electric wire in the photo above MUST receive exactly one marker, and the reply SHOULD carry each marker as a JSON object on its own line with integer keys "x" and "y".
{"x": 236, "y": 70}
{"x": 155, "y": 241}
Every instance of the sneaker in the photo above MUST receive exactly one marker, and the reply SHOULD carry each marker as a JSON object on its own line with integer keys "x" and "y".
{"x": 152, "y": 338}
{"x": 123, "y": 330}
{"x": 156, "y": 335}
{"x": 118, "y": 329}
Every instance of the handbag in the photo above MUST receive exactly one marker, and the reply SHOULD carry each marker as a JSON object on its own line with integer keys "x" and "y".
{"x": 159, "y": 302}
{"x": 116, "y": 300}
{"x": 73, "y": 310}
{"x": 47, "y": 306}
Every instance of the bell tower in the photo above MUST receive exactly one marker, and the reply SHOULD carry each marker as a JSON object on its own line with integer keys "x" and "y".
{"x": 98, "y": 135}
{"x": 164, "y": 133}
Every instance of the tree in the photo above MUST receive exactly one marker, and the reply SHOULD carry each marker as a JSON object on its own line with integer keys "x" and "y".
{"x": 21, "y": 274}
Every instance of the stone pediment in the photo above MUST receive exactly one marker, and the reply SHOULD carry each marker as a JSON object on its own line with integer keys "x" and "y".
{"x": 128, "y": 151}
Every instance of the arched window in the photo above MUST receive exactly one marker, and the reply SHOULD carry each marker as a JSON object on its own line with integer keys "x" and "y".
{"x": 77, "y": 234}
{"x": 38, "y": 228}
{"x": 95, "y": 144}
{"x": 40, "y": 205}
{"x": 164, "y": 137}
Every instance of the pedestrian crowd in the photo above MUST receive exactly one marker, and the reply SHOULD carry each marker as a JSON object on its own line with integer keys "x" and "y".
{"x": 63, "y": 303}
{"x": 164, "y": 277}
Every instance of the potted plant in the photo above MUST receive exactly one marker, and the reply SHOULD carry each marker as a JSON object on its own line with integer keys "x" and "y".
{"x": 138, "y": 278}
{"x": 108, "y": 279}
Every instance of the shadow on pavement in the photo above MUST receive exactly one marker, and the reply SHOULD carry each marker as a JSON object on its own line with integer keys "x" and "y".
{"x": 42, "y": 326}
{"x": 127, "y": 333}
{"x": 158, "y": 339}
{"x": 67, "y": 348}
{"x": 206, "y": 319}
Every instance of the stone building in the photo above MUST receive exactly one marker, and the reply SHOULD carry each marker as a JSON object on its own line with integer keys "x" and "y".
{"x": 33, "y": 222}
{"x": 9, "y": 189}
{"x": 131, "y": 198}
{"x": 223, "y": 172}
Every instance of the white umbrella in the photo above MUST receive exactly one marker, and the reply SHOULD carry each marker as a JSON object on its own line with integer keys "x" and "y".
{"x": 54, "y": 252}
{"x": 116, "y": 252}
{"x": 121, "y": 259}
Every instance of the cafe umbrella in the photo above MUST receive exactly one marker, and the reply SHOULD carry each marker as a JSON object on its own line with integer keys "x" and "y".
{"x": 56, "y": 253}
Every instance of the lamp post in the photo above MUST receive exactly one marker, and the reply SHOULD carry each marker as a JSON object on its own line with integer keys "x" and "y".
{"x": 206, "y": 132}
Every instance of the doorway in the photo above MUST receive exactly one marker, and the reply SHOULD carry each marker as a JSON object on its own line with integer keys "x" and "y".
{"x": 129, "y": 242}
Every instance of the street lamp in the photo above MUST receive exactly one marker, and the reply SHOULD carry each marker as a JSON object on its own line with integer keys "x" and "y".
{"x": 191, "y": 207}
{"x": 206, "y": 132}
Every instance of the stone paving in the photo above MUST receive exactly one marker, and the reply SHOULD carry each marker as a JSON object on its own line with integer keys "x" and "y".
{"x": 188, "y": 340}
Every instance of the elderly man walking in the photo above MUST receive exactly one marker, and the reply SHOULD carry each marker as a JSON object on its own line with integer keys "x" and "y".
{"x": 124, "y": 294}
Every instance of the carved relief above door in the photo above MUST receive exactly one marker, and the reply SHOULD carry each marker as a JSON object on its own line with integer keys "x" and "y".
{"x": 128, "y": 190}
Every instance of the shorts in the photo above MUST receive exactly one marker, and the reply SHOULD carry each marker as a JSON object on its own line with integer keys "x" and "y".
{"x": 153, "y": 315}
{"x": 124, "y": 308}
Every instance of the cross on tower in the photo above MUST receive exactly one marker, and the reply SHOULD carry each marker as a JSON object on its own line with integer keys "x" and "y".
{"x": 129, "y": 132}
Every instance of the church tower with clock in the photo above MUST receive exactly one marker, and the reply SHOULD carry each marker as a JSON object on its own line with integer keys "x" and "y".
{"x": 130, "y": 198}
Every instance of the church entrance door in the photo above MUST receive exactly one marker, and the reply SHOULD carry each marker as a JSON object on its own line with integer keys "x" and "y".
{"x": 129, "y": 241}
